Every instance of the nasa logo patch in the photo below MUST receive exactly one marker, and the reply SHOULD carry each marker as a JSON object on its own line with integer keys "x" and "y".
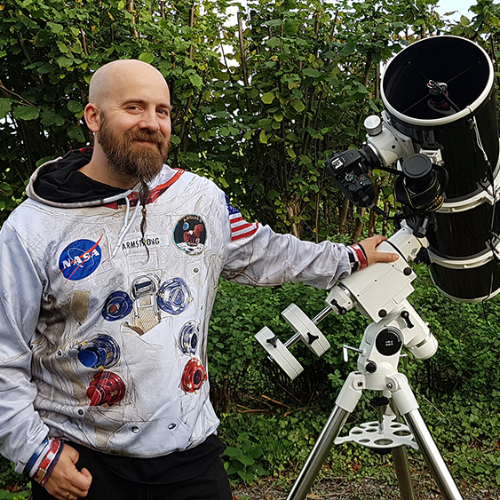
{"x": 80, "y": 259}
{"x": 190, "y": 234}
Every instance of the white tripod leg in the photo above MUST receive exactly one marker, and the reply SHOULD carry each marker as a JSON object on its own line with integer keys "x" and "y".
{"x": 344, "y": 405}
{"x": 408, "y": 407}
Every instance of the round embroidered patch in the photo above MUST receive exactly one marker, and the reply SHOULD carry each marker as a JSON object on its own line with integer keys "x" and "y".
{"x": 80, "y": 259}
{"x": 188, "y": 338}
{"x": 190, "y": 234}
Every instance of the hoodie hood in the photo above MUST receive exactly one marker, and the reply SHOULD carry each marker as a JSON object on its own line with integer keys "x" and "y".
{"x": 59, "y": 183}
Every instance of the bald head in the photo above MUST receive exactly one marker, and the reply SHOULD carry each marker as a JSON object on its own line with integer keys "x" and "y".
{"x": 121, "y": 73}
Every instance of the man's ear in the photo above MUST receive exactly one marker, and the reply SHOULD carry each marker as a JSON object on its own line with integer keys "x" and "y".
{"x": 92, "y": 117}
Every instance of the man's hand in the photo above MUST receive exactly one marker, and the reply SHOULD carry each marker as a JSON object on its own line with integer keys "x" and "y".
{"x": 370, "y": 247}
{"x": 66, "y": 482}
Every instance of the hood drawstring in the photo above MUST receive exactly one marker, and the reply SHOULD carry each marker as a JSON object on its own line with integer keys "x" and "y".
{"x": 127, "y": 224}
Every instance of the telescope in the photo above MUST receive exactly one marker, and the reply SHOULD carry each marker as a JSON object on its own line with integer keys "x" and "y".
{"x": 438, "y": 137}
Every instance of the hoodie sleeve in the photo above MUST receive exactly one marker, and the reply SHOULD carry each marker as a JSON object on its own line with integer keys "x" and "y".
{"x": 21, "y": 428}
{"x": 256, "y": 255}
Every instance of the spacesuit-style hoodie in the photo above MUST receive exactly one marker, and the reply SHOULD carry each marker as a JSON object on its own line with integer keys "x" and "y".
{"x": 104, "y": 344}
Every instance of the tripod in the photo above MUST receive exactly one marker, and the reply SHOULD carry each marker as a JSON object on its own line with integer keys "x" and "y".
{"x": 379, "y": 354}
{"x": 379, "y": 293}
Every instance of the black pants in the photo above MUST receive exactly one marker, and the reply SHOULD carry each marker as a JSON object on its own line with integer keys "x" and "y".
{"x": 213, "y": 484}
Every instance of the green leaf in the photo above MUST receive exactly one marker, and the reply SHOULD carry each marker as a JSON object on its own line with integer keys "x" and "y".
{"x": 196, "y": 80}
{"x": 223, "y": 182}
{"x": 263, "y": 137}
{"x": 56, "y": 28}
{"x": 76, "y": 134}
{"x": 75, "y": 106}
{"x": 274, "y": 22}
{"x": 273, "y": 42}
{"x": 268, "y": 98}
{"x": 5, "y": 107}
{"x": 45, "y": 68}
{"x": 176, "y": 140}
{"x": 464, "y": 21}
{"x": 247, "y": 460}
{"x": 50, "y": 117}
{"x": 298, "y": 105}
{"x": 348, "y": 48}
{"x": 232, "y": 452}
{"x": 147, "y": 57}
{"x": 64, "y": 62}
{"x": 63, "y": 47}
{"x": 314, "y": 73}
{"x": 26, "y": 113}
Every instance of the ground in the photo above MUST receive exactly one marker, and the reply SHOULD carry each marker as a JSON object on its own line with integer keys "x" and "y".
{"x": 366, "y": 489}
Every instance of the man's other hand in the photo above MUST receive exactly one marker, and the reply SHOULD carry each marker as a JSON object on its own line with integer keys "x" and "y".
{"x": 372, "y": 254}
{"x": 66, "y": 478}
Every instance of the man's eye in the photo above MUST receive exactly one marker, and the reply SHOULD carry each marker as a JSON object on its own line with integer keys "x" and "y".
{"x": 164, "y": 112}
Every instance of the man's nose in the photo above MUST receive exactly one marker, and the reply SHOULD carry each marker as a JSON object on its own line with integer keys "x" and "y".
{"x": 149, "y": 120}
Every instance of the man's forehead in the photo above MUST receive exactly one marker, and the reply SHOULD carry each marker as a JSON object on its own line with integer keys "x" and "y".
{"x": 128, "y": 78}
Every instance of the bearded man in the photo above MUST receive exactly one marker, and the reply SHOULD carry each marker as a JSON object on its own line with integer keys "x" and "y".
{"x": 103, "y": 321}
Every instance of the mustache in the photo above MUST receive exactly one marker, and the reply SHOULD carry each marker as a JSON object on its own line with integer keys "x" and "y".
{"x": 145, "y": 135}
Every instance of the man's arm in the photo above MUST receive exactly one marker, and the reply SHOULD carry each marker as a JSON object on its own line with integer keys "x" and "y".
{"x": 23, "y": 434}
{"x": 256, "y": 255}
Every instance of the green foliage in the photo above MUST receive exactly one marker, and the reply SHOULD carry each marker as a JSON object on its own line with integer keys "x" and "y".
{"x": 457, "y": 389}
{"x": 12, "y": 486}
{"x": 244, "y": 460}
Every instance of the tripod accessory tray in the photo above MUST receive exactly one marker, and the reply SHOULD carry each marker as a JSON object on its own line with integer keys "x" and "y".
{"x": 369, "y": 434}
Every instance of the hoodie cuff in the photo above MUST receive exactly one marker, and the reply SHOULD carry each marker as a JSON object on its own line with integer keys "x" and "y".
{"x": 43, "y": 461}
{"x": 357, "y": 257}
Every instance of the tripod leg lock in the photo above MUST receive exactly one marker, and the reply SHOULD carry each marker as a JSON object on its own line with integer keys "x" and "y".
{"x": 401, "y": 393}
{"x": 351, "y": 392}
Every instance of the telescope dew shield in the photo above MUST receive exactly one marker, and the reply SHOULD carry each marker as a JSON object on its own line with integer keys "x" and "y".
{"x": 439, "y": 91}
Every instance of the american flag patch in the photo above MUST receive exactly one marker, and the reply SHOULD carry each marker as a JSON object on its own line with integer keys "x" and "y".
{"x": 240, "y": 228}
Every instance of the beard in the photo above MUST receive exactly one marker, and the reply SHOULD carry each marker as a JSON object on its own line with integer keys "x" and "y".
{"x": 133, "y": 161}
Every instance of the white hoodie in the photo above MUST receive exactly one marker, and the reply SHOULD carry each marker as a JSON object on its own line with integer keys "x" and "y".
{"x": 104, "y": 346}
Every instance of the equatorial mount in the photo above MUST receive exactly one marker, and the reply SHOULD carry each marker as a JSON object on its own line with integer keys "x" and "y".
{"x": 380, "y": 293}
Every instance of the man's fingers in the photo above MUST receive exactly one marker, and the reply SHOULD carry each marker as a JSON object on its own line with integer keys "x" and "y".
{"x": 66, "y": 478}
{"x": 387, "y": 257}
{"x": 373, "y": 254}
{"x": 80, "y": 483}
{"x": 78, "y": 486}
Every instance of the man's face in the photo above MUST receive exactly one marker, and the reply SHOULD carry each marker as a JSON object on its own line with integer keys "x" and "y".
{"x": 135, "y": 129}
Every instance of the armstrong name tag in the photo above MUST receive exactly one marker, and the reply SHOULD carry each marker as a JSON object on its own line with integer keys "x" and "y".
{"x": 138, "y": 243}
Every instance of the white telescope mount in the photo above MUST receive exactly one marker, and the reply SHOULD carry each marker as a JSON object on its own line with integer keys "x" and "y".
{"x": 380, "y": 293}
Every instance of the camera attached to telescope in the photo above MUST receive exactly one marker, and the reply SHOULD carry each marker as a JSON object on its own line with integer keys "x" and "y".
{"x": 421, "y": 181}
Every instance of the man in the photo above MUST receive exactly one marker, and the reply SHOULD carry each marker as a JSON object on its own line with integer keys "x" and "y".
{"x": 109, "y": 274}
